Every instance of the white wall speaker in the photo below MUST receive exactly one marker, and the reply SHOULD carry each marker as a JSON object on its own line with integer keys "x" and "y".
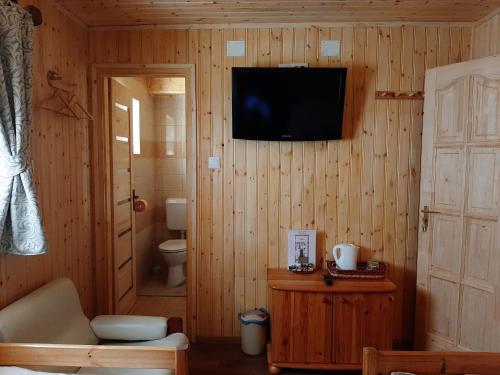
{"x": 330, "y": 48}
{"x": 235, "y": 48}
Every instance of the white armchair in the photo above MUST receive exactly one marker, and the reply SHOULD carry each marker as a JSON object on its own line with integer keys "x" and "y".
{"x": 52, "y": 314}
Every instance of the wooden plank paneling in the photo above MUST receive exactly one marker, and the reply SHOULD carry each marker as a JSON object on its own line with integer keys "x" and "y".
{"x": 285, "y": 222}
{"x": 146, "y": 12}
{"x": 262, "y": 188}
{"x": 239, "y": 212}
{"x": 228, "y": 193}
{"x": 367, "y": 175}
{"x": 205, "y": 318}
{"x": 486, "y": 37}
{"x": 60, "y": 152}
{"x": 217, "y": 111}
{"x": 274, "y": 168}
{"x": 332, "y": 160}
{"x": 359, "y": 189}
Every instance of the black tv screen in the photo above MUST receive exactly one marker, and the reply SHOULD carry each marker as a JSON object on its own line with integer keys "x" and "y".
{"x": 288, "y": 104}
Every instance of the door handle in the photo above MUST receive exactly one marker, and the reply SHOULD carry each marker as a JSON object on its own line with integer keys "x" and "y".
{"x": 425, "y": 220}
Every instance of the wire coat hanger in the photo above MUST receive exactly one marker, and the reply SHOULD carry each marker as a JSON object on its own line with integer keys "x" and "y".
{"x": 64, "y": 97}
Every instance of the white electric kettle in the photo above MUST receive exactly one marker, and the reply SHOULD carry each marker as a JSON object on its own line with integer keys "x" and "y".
{"x": 346, "y": 256}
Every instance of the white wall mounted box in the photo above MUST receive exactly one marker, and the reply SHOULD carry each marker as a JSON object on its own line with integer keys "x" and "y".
{"x": 330, "y": 48}
{"x": 213, "y": 162}
{"x": 235, "y": 48}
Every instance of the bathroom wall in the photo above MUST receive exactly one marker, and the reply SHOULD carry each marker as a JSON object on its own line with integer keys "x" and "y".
{"x": 144, "y": 178}
{"x": 171, "y": 156}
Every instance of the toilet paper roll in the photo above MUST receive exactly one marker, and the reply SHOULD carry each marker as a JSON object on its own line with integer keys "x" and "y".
{"x": 140, "y": 205}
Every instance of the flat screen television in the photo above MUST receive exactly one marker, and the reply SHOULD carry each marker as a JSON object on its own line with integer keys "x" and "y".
{"x": 288, "y": 104}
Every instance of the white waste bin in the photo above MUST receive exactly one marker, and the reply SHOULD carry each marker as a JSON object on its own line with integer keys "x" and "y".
{"x": 254, "y": 331}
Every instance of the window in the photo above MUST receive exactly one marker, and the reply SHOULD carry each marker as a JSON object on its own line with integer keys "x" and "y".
{"x": 170, "y": 140}
{"x": 136, "y": 126}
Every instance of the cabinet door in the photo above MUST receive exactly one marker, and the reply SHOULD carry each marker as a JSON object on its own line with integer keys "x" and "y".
{"x": 301, "y": 327}
{"x": 361, "y": 320}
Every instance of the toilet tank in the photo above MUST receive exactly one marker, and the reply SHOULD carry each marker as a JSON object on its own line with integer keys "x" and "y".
{"x": 176, "y": 211}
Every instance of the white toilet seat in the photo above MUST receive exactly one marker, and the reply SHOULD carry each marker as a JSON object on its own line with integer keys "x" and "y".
{"x": 172, "y": 246}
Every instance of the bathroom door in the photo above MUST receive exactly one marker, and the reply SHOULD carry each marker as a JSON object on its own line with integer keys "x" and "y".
{"x": 123, "y": 264}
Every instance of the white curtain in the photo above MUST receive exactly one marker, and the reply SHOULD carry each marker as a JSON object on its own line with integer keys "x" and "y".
{"x": 21, "y": 230}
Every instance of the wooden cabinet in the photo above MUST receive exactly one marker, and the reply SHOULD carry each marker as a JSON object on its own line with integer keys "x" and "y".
{"x": 326, "y": 327}
{"x": 361, "y": 320}
{"x": 302, "y": 325}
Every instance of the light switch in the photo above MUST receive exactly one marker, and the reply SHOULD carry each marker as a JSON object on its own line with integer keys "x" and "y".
{"x": 235, "y": 48}
{"x": 213, "y": 162}
{"x": 330, "y": 48}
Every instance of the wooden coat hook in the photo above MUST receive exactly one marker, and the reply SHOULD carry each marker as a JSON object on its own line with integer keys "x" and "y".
{"x": 400, "y": 95}
{"x": 63, "y": 100}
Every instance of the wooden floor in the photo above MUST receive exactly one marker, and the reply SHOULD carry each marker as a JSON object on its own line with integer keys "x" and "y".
{"x": 227, "y": 359}
{"x": 156, "y": 287}
{"x": 211, "y": 358}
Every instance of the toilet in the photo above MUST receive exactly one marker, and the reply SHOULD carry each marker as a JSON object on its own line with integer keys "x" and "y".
{"x": 174, "y": 252}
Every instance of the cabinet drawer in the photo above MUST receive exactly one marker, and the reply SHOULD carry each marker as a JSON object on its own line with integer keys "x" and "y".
{"x": 361, "y": 320}
{"x": 301, "y": 327}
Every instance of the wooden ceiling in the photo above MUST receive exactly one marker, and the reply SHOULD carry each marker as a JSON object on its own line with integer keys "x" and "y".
{"x": 189, "y": 12}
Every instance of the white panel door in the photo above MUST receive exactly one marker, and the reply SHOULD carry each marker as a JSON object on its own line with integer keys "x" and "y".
{"x": 458, "y": 279}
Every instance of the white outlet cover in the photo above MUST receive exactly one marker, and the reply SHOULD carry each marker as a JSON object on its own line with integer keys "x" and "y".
{"x": 213, "y": 162}
{"x": 235, "y": 48}
{"x": 330, "y": 48}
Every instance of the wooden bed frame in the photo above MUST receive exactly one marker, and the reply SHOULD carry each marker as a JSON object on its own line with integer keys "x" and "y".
{"x": 377, "y": 362}
{"x": 146, "y": 357}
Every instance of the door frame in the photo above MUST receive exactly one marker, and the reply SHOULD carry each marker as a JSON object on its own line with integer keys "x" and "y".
{"x": 101, "y": 187}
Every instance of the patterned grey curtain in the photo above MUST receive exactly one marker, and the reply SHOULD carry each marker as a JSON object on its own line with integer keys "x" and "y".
{"x": 21, "y": 230}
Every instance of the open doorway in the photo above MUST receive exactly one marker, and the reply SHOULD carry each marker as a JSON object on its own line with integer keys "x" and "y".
{"x": 145, "y": 154}
{"x": 159, "y": 182}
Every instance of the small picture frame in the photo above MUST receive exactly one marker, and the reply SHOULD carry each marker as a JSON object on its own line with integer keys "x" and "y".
{"x": 301, "y": 247}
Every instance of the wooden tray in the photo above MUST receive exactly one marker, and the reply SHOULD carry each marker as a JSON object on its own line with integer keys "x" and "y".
{"x": 361, "y": 273}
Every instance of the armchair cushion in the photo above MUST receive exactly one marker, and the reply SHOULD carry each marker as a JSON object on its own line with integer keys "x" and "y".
{"x": 129, "y": 327}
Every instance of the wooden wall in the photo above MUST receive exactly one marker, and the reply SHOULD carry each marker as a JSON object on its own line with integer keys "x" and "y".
{"x": 486, "y": 37}
{"x": 61, "y": 163}
{"x": 363, "y": 189}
